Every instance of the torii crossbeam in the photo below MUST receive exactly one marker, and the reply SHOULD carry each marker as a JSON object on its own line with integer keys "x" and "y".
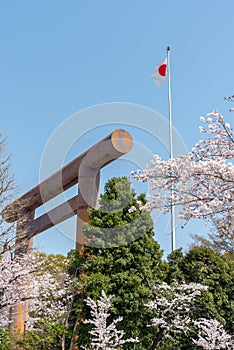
{"x": 84, "y": 170}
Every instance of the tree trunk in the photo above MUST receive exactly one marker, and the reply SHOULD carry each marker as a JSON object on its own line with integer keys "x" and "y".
{"x": 157, "y": 340}
{"x": 72, "y": 345}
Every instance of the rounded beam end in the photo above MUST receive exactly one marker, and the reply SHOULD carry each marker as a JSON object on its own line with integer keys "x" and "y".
{"x": 122, "y": 141}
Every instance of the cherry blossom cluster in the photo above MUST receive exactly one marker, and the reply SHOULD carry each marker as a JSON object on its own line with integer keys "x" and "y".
{"x": 201, "y": 182}
{"x": 105, "y": 336}
{"x": 23, "y": 280}
{"x": 173, "y": 305}
{"x": 219, "y": 141}
{"x": 212, "y": 335}
{"x": 139, "y": 206}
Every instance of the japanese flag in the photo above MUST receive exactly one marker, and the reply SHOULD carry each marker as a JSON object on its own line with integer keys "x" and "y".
{"x": 160, "y": 72}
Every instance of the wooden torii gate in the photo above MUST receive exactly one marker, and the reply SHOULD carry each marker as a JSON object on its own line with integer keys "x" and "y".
{"x": 84, "y": 170}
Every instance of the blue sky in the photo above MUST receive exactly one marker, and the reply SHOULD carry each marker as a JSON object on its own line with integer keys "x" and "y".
{"x": 58, "y": 58}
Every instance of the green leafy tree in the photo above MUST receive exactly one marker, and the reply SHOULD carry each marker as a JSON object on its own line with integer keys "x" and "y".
{"x": 6, "y": 343}
{"x": 124, "y": 261}
{"x": 203, "y": 265}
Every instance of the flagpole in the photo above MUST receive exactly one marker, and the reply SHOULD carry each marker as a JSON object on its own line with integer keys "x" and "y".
{"x": 171, "y": 147}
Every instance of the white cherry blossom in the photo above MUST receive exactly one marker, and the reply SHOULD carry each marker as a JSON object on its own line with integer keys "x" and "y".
{"x": 105, "y": 336}
{"x": 201, "y": 182}
{"x": 212, "y": 335}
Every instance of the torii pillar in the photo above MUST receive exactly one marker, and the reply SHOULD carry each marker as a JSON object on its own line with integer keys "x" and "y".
{"x": 84, "y": 170}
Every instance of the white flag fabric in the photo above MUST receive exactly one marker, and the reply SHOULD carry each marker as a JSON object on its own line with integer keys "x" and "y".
{"x": 160, "y": 72}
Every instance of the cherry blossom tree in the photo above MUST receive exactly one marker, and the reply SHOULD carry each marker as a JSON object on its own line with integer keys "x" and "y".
{"x": 105, "y": 336}
{"x": 201, "y": 182}
{"x": 212, "y": 335}
{"x": 51, "y": 310}
{"x": 54, "y": 294}
{"x": 173, "y": 306}
{"x": 23, "y": 279}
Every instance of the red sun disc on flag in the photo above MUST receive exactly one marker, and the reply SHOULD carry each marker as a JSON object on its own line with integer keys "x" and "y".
{"x": 162, "y": 70}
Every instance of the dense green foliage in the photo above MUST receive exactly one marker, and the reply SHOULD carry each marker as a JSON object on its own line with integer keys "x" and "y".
{"x": 205, "y": 266}
{"x": 5, "y": 340}
{"x": 46, "y": 338}
{"x": 126, "y": 270}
